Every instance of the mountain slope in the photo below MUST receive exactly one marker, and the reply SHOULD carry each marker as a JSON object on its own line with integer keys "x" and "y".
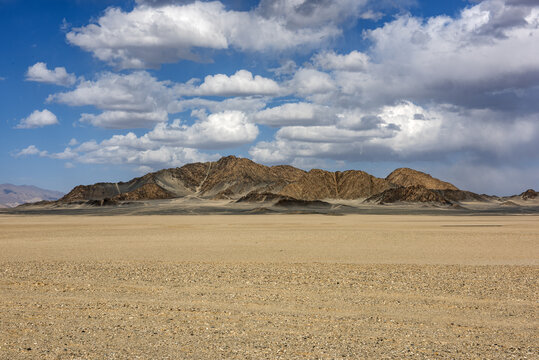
{"x": 413, "y": 194}
{"x": 410, "y": 177}
{"x": 14, "y": 195}
{"x": 320, "y": 184}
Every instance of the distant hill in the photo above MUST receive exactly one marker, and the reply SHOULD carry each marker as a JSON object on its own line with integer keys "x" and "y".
{"x": 14, "y": 195}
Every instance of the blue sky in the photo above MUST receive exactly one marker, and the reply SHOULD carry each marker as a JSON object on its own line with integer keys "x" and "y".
{"x": 100, "y": 90}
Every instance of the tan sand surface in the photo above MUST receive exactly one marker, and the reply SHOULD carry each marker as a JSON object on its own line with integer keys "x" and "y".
{"x": 269, "y": 287}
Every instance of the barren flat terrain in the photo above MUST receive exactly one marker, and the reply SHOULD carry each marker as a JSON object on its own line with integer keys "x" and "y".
{"x": 269, "y": 287}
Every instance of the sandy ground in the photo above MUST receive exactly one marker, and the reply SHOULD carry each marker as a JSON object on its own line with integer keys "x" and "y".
{"x": 269, "y": 287}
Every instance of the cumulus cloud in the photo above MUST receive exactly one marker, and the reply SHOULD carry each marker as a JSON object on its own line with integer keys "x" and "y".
{"x": 138, "y": 91}
{"x": 433, "y": 89}
{"x": 59, "y": 76}
{"x": 405, "y": 132}
{"x": 125, "y": 119}
{"x": 295, "y": 114}
{"x": 244, "y": 104}
{"x": 426, "y": 89}
{"x": 139, "y": 100}
{"x": 151, "y": 158}
{"x": 310, "y": 81}
{"x": 217, "y": 131}
{"x": 242, "y": 83}
{"x": 130, "y": 101}
{"x": 353, "y": 61}
{"x": 167, "y": 145}
{"x": 149, "y": 36}
{"x": 38, "y": 119}
{"x": 31, "y": 150}
{"x": 467, "y": 61}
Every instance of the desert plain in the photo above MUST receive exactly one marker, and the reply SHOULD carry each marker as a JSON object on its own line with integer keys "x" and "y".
{"x": 269, "y": 287}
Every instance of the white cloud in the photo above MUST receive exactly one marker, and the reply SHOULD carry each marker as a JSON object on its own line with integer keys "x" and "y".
{"x": 467, "y": 61}
{"x": 353, "y": 61}
{"x": 125, "y": 119}
{"x": 423, "y": 89}
{"x": 149, "y": 36}
{"x": 166, "y": 145}
{"x": 406, "y": 132}
{"x": 38, "y": 119}
{"x": 243, "y": 104}
{"x": 310, "y": 81}
{"x": 59, "y": 76}
{"x": 217, "y": 131}
{"x": 138, "y": 91}
{"x": 333, "y": 134}
{"x": 31, "y": 150}
{"x": 154, "y": 158}
{"x": 130, "y": 101}
{"x": 139, "y": 100}
{"x": 295, "y": 114}
{"x": 242, "y": 83}
{"x": 68, "y": 153}
{"x": 124, "y": 149}
{"x": 441, "y": 88}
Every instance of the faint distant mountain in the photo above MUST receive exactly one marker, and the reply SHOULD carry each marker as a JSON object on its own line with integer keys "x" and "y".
{"x": 14, "y": 195}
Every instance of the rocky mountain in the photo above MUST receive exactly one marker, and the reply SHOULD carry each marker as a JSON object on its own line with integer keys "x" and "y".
{"x": 14, "y": 195}
{"x": 320, "y": 184}
{"x": 228, "y": 178}
{"x": 410, "y": 177}
{"x": 529, "y": 194}
{"x": 243, "y": 180}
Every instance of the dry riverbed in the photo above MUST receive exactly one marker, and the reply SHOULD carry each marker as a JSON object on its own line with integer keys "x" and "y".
{"x": 269, "y": 287}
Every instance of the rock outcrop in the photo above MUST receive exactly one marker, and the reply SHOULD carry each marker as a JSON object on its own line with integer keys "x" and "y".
{"x": 529, "y": 194}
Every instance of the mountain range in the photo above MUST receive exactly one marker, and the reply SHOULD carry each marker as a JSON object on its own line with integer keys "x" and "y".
{"x": 242, "y": 180}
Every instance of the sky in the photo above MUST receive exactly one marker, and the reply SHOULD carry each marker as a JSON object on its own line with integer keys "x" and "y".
{"x": 105, "y": 90}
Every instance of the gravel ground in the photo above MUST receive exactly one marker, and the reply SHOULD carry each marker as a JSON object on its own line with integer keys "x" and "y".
{"x": 89, "y": 306}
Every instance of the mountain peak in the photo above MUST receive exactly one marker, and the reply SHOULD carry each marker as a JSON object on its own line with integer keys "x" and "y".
{"x": 409, "y": 177}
